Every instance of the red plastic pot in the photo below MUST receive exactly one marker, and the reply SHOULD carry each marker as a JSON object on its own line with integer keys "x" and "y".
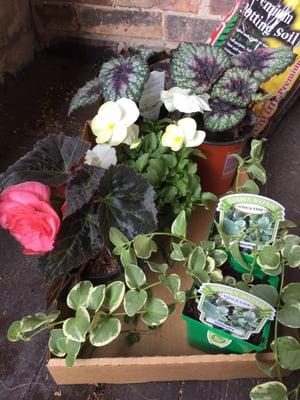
{"x": 218, "y": 170}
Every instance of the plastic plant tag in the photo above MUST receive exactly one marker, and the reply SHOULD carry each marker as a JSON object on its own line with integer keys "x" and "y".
{"x": 233, "y": 310}
{"x": 250, "y": 219}
{"x": 150, "y": 102}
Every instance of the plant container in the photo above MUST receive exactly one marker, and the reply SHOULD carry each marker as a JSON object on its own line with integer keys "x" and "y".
{"x": 218, "y": 170}
{"x": 214, "y": 340}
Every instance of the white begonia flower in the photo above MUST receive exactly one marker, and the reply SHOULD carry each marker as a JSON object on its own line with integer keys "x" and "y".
{"x": 183, "y": 134}
{"x": 102, "y": 155}
{"x": 111, "y": 124}
{"x": 180, "y": 99}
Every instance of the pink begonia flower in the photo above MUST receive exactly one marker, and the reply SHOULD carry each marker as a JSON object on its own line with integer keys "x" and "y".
{"x": 26, "y": 212}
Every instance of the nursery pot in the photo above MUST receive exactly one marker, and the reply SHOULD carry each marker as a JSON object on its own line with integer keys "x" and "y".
{"x": 213, "y": 340}
{"x": 218, "y": 170}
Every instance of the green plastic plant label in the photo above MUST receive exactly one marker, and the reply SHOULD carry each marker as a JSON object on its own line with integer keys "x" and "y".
{"x": 233, "y": 310}
{"x": 250, "y": 219}
{"x": 217, "y": 340}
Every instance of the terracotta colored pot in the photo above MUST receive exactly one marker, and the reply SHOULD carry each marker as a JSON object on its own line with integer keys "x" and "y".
{"x": 218, "y": 170}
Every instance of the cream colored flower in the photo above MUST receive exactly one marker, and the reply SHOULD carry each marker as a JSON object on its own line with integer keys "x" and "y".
{"x": 113, "y": 122}
{"x": 183, "y": 134}
{"x": 180, "y": 99}
{"x": 102, "y": 155}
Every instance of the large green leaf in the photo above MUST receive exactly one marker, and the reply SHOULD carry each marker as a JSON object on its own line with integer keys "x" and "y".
{"x": 288, "y": 350}
{"x": 50, "y": 162}
{"x": 104, "y": 330}
{"x": 179, "y": 225}
{"x": 114, "y": 295}
{"x": 269, "y": 391}
{"x": 81, "y": 187}
{"x": 77, "y": 242}
{"x": 289, "y": 315}
{"x": 134, "y": 276}
{"x": 133, "y": 301}
{"x": 128, "y": 202}
{"x": 156, "y": 312}
{"x": 76, "y": 328}
{"x": 79, "y": 295}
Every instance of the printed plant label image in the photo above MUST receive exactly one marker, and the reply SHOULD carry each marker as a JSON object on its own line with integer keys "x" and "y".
{"x": 233, "y": 310}
{"x": 250, "y": 219}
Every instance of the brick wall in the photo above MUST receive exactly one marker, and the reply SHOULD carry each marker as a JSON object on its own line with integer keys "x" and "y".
{"x": 155, "y": 23}
{"x": 16, "y": 37}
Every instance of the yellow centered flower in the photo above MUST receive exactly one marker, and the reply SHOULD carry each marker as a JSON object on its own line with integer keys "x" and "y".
{"x": 114, "y": 123}
{"x": 183, "y": 134}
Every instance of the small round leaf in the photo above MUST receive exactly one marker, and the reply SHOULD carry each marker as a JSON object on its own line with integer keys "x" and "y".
{"x": 269, "y": 391}
{"x": 114, "y": 295}
{"x": 133, "y": 301}
{"x": 55, "y": 336}
{"x": 104, "y": 330}
{"x": 156, "y": 312}
{"x": 134, "y": 276}
{"x": 76, "y": 328}
{"x": 79, "y": 295}
{"x": 266, "y": 293}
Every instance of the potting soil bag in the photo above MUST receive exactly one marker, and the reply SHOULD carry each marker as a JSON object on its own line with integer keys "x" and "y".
{"x": 269, "y": 23}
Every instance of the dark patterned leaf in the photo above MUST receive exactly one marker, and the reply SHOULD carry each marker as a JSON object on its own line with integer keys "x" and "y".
{"x": 223, "y": 116}
{"x": 236, "y": 87}
{"x": 86, "y": 95}
{"x": 265, "y": 62}
{"x": 78, "y": 242}
{"x": 49, "y": 162}
{"x": 81, "y": 187}
{"x": 197, "y": 67}
{"x": 124, "y": 77}
{"x": 128, "y": 202}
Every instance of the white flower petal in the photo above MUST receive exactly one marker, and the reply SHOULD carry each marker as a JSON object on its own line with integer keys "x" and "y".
{"x": 102, "y": 131}
{"x": 203, "y": 102}
{"x": 119, "y": 133}
{"x": 130, "y": 111}
{"x": 167, "y": 96}
{"x": 132, "y": 134}
{"x": 181, "y": 102}
{"x": 188, "y": 127}
{"x": 197, "y": 139}
{"x": 110, "y": 112}
{"x": 102, "y": 155}
{"x": 173, "y": 137}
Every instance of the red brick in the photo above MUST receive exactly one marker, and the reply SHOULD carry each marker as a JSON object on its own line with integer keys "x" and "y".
{"x": 55, "y": 16}
{"x": 220, "y": 7}
{"x": 120, "y": 22}
{"x": 135, "y": 3}
{"x": 179, "y": 5}
{"x": 179, "y": 28}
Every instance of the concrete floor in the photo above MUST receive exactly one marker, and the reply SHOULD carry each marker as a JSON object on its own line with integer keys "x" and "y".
{"x": 30, "y": 108}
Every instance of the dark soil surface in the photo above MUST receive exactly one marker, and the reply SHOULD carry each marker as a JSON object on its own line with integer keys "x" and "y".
{"x": 32, "y": 106}
{"x": 102, "y": 267}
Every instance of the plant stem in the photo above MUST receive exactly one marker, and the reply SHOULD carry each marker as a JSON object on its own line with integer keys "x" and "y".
{"x": 151, "y": 285}
{"x": 276, "y": 321}
{"x": 47, "y": 326}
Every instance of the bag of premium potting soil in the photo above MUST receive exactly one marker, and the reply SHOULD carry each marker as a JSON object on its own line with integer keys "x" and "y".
{"x": 269, "y": 23}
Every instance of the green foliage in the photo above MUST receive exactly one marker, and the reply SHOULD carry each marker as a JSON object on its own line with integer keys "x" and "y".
{"x": 269, "y": 390}
{"x": 88, "y": 94}
{"x": 233, "y": 83}
{"x": 173, "y": 175}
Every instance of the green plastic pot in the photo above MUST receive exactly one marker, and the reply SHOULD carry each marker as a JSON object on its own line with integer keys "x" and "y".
{"x": 213, "y": 340}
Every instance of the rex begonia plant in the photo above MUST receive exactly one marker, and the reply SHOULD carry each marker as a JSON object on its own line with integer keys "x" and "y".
{"x": 62, "y": 209}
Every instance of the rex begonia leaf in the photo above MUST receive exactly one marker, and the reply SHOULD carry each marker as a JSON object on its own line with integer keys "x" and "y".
{"x": 236, "y": 87}
{"x": 265, "y": 62}
{"x": 223, "y": 116}
{"x": 78, "y": 241}
{"x": 197, "y": 67}
{"x": 87, "y": 94}
{"x": 128, "y": 202}
{"x": 81, "y": 187}
{"x": 124, "y": 77}
{"x": 50, "y": 162}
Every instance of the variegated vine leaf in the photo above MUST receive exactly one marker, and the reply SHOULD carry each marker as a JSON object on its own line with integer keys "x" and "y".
{"x": 124, "y": 77}
{"x": 197, "y": 67}
{"x": 265, "y": 62}
{"x": 87, "y": 94}
{"x": 236, "y": 87}
{"x": 223, "y": 116}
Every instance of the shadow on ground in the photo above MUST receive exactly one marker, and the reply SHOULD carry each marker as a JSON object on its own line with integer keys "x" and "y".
{"x": 30, "y": 108}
